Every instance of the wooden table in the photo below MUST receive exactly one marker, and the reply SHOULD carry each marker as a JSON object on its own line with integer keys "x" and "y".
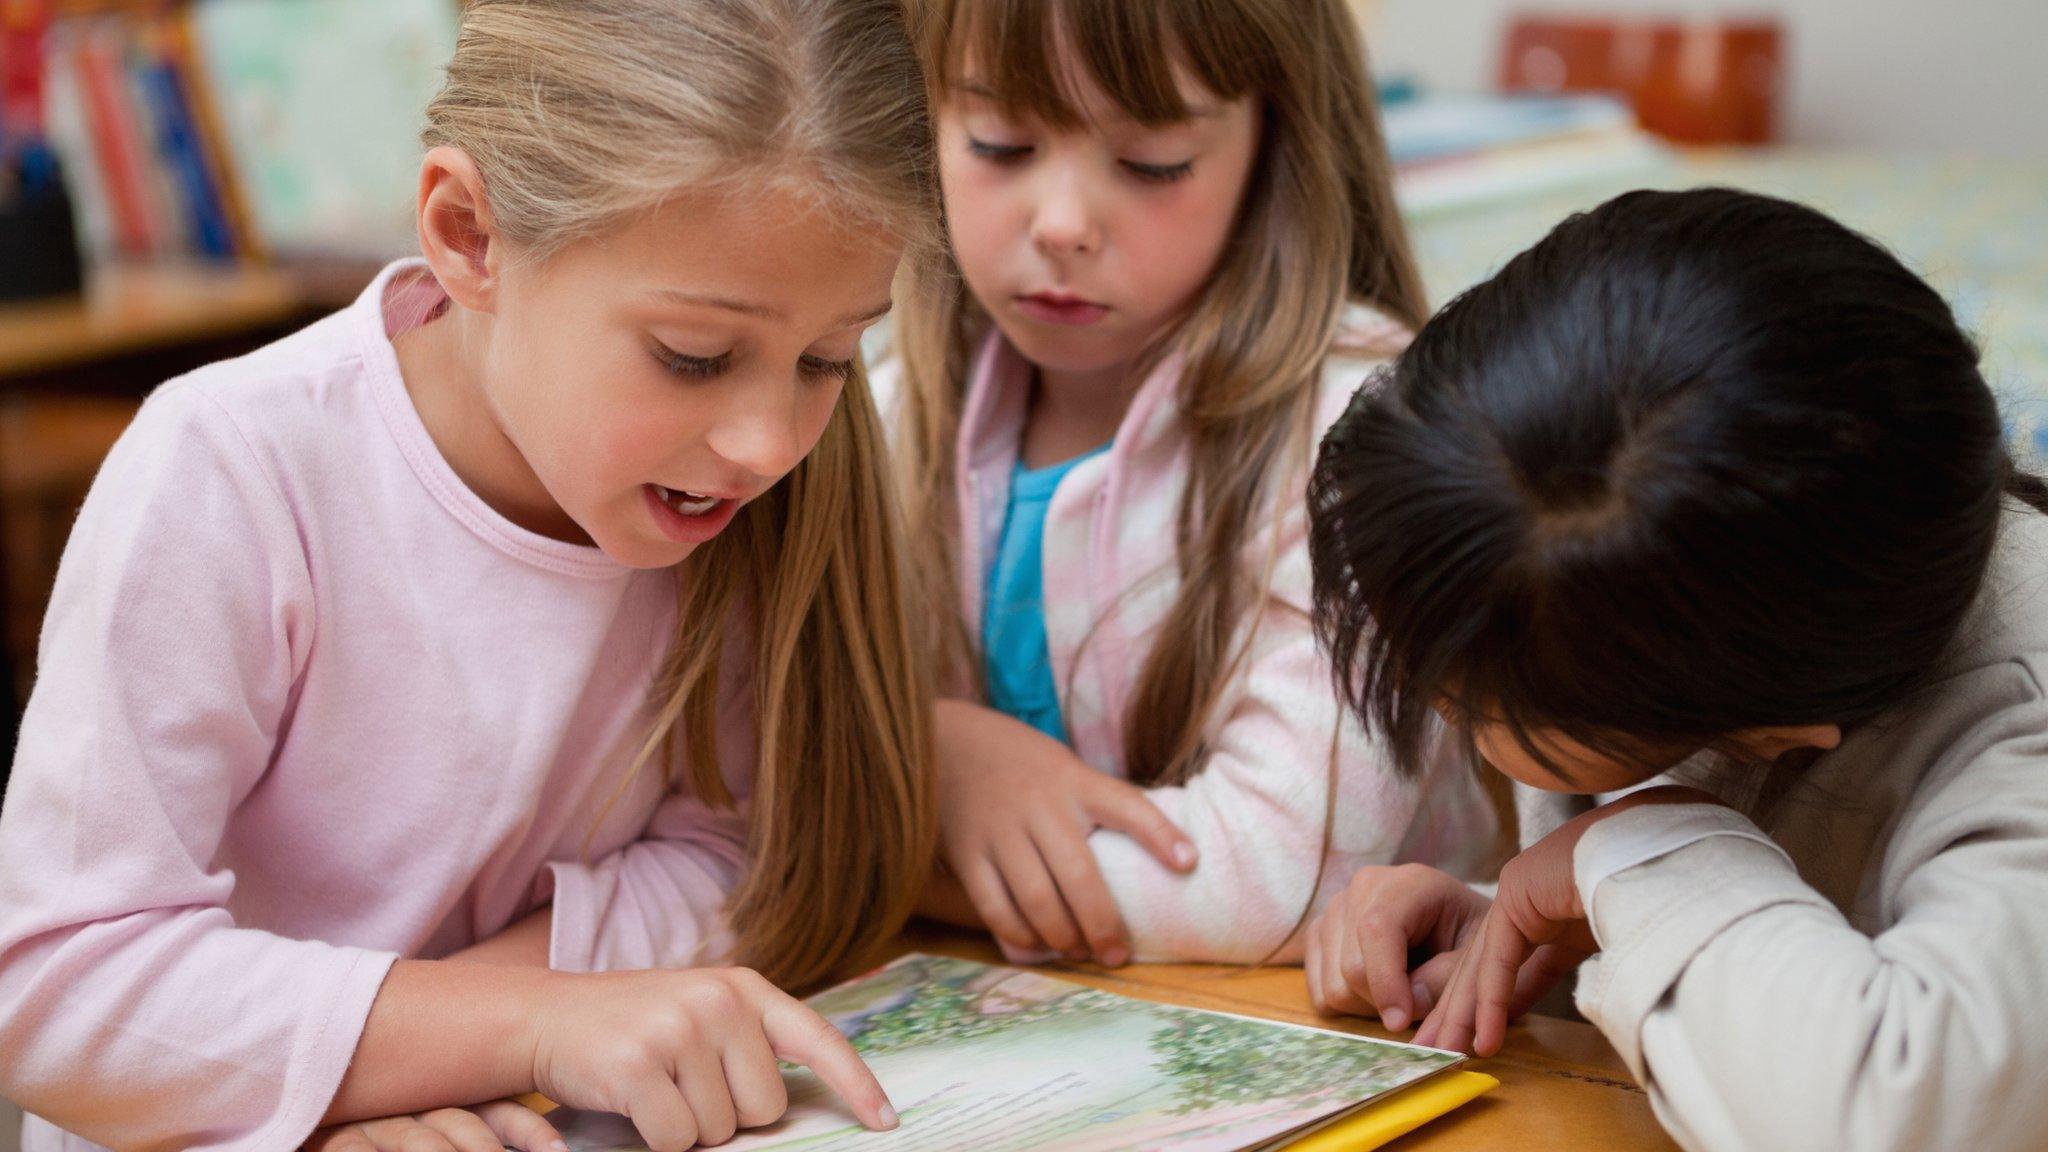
{"x": 1561, "y": 1085}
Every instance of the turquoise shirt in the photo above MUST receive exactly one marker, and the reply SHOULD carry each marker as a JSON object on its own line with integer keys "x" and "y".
{"x": 1015, "y": 660}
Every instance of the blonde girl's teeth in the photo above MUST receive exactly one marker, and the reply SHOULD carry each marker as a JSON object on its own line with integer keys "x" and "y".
{"x": 688, "y": 503}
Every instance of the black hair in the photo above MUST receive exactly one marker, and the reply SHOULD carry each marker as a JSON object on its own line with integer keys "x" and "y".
{"x": 1697, "y": 462}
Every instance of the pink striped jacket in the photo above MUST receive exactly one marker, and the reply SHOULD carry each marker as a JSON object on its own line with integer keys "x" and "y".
{"x": 1256, "y": 810}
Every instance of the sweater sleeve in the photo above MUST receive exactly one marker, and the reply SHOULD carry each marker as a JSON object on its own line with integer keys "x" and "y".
{"x": 133, "y": 1010}
{"x": 1758, "y": 1017}
{"x": 660, "y": 901}
{"x": 1283, "y": 750}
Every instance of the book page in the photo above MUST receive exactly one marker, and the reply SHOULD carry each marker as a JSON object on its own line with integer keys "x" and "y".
{"x": 1004, "y": 1060}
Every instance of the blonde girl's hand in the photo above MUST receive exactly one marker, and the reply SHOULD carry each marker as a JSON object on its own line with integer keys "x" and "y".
{"x": 489, "y": 1127}
{"x": 1359, "y": 948}
{"x": 690, "y": 1056}
{"x": 1016, "y": 808}
{"x": 1533, "y": 935}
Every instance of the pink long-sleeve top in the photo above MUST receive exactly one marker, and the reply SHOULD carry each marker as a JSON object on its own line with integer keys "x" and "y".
{"x": 306, "y": 704}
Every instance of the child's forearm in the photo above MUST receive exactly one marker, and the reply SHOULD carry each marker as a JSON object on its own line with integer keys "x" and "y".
{"x": 443, "y": 1033}
{"x": 524, "y": 945}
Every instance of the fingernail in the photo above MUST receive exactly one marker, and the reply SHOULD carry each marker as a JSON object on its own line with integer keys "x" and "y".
{"x": 1395, "y": 1018}
{"x": 888, "y": 1115}
{"x": 559, "y": 1146}
{"x": 1115, "y": 958}
{"x": 1184, "y": 854}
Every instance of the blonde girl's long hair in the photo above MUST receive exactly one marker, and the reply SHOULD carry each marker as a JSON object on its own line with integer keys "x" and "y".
{"x": 583, "y": 113}
{"x": 1318, "y": 229}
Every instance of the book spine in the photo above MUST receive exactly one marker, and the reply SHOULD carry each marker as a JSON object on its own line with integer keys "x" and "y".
{"x": 71, "y": 134}
{"x": 115, "y": 141}
{"x": 203, "y": 104}
{"x": 165, "y": 198}
{"x": 179, "y": 148}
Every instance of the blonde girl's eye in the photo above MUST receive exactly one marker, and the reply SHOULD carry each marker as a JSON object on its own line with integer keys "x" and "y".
{"x": 692, "y": 367}
{"x": 998, "y": 153}
{"x": 819, "y": 368}
{"x": 1158, "y": 173}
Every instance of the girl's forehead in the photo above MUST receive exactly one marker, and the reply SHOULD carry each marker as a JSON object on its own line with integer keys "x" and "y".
{"x": 777, "y": 256}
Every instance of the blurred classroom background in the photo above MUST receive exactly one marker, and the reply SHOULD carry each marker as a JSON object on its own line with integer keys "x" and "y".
{"x": 1938, "y": 76}
{"x": 183, "y": 180}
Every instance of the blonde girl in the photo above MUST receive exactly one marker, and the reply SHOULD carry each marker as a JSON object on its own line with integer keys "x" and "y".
{"x": 1174, "y": 253}
{"x": 541, "y": 604}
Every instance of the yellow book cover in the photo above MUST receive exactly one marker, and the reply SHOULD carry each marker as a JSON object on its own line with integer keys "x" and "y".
{"x": 1384, "y": 1120}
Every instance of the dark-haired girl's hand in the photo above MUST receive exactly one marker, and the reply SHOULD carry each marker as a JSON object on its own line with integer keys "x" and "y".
{"x": 1533, "y": 935}
{"x": 1359, "y": 948}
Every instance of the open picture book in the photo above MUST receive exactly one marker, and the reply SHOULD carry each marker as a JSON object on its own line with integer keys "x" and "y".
{"x": 1005, "y": 1060}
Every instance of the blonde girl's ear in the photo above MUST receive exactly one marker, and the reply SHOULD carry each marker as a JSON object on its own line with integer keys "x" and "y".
{"x": 455, "y": 228}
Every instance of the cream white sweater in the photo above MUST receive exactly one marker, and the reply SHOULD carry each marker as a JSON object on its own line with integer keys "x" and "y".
{"x": 1855, "y": 956}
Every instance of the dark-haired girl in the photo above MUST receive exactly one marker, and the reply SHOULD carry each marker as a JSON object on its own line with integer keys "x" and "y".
{"x": 1704, "y": 499}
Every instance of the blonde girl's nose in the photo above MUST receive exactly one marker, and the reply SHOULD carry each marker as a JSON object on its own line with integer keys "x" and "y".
{"x": 762, "y": 430}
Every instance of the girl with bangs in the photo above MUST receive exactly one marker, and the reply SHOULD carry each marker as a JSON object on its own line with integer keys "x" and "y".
{"x": 1175, "y": 251}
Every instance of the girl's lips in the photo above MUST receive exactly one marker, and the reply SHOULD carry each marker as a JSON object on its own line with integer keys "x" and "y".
{"x": 1071, "y": 311}
{"x": 687, "y": 529}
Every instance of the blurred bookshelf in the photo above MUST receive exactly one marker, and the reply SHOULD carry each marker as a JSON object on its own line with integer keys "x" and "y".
{"x": 229, "y": 170}
{"x": 239, "y": 130}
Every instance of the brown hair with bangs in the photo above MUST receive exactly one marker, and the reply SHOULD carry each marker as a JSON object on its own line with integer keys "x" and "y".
{"x": 1317, "y": 230}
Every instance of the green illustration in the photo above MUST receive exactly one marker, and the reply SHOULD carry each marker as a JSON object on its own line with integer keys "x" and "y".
{"x": 1007, "y": 1060}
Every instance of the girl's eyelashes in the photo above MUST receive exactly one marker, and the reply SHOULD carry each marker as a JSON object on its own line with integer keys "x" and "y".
{"x": 1159, "y": 173}
{"x": 998, "y": 153}
{"x": 703, "y": 367}
{"x": 696, "y": 367}
{"x": 1007, "y": 154}
{"x": 818, "y": 366}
